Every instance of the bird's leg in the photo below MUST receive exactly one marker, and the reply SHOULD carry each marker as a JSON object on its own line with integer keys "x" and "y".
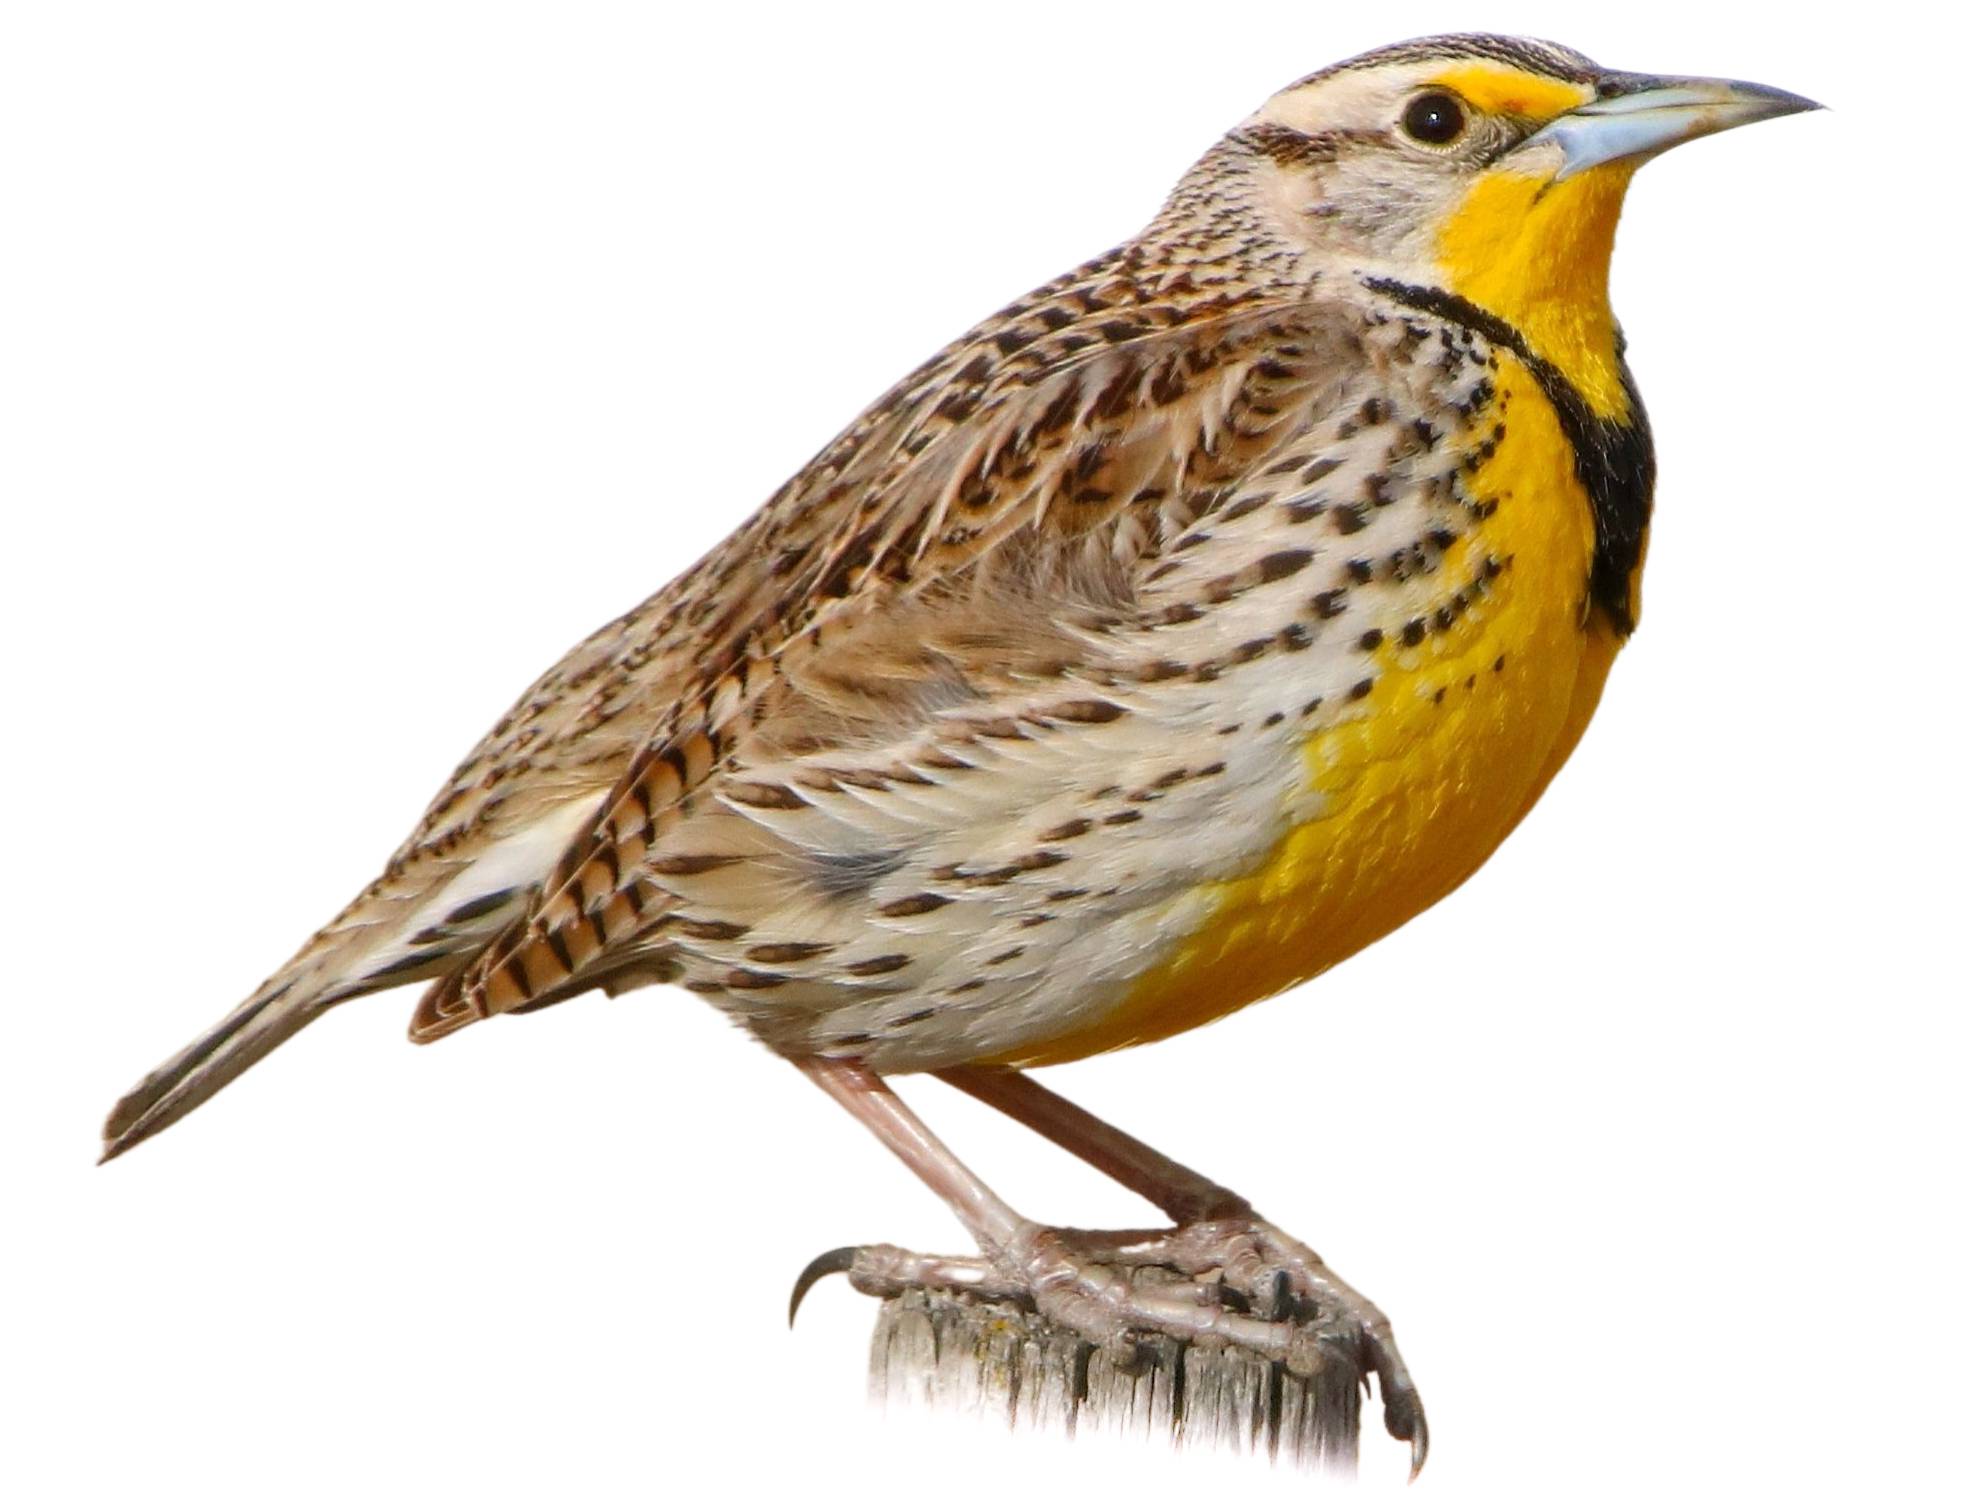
{"x": 1184, "y": 1195}
{"x": 1092, "y": 1293}
{"x": 1216, "y": 1231}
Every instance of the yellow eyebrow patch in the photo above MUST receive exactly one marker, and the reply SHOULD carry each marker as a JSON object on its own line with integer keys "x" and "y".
{"x": 1505, "y": 90}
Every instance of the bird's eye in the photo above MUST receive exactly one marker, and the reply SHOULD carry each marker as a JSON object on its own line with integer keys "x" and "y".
{"x": 1433, "y": 118}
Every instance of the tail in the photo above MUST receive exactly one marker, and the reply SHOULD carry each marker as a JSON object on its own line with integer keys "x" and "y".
{"x": 359, "y": 953}
{"x": 275, "y": 1013}
{"x": 420, "y": 921}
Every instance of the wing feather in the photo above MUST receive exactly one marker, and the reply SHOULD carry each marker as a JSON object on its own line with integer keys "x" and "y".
{"x": 976, "y": 546}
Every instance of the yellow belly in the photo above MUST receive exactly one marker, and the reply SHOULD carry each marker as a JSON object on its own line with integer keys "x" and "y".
{"x": 1419, "y": 781}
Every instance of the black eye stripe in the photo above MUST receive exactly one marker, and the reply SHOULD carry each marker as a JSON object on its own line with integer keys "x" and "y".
{"x": 1434, "y": 118}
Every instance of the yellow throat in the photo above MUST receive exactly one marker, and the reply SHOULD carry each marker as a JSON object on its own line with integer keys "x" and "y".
{"x": 1535, "y": 254}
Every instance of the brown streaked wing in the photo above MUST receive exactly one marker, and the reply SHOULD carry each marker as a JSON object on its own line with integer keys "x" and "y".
{"x": 1107, "y": 453}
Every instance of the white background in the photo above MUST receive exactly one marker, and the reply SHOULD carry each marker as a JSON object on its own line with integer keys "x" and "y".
{"x": 359, "y": 358}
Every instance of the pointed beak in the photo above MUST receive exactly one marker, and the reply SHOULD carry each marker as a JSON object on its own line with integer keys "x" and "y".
{"x": 1643, "y": 116}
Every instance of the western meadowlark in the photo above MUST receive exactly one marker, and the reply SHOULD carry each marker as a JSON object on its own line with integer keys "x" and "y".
{"x": 1192, "y": 622}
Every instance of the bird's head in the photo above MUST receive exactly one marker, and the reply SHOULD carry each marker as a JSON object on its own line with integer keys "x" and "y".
{"x": 1488, "y": 168}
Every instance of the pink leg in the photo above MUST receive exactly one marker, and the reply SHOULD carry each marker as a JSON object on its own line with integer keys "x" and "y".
{"x": 1182, "y": 1194}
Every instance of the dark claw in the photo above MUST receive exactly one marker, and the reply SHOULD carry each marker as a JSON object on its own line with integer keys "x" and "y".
{"x": 1283, "y": 1299}
{"x": 835, "y": 1260}
{"x": 1406, "y": 1421}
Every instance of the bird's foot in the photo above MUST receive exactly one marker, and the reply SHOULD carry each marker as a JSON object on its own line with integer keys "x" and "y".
{"x": 1228, "y": 1280}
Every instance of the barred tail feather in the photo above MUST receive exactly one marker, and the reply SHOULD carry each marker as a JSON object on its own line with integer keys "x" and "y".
{"x": 341, "y": 963}
{"x": 210, "y": 1063}
{"x": 417, "y": 924}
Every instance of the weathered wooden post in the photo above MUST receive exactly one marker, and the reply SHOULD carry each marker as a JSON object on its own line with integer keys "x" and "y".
{"x": 937, "y": 1349}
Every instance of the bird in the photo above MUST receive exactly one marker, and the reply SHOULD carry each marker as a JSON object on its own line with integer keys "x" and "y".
{"x": 1189, "y": 624}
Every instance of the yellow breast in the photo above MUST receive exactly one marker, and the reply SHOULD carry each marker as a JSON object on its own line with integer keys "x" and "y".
{"x": 1416, "y": 783}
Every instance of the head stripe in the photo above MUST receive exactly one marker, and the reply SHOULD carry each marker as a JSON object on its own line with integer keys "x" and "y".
{"x": 1540, "y": 57}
